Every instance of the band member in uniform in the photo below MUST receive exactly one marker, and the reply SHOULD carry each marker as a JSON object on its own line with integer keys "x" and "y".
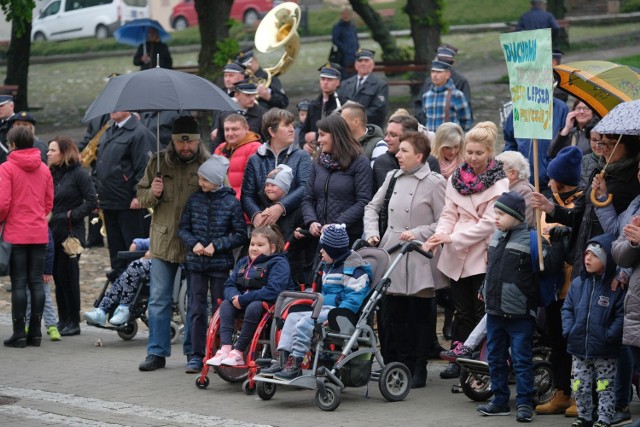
{"x": 269, "y": 97}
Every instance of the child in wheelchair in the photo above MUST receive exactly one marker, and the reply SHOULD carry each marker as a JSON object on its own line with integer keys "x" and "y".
{"x": 345, "y": 284}
{"x": 124, "y": 289}
{"x": 259, "y": 277}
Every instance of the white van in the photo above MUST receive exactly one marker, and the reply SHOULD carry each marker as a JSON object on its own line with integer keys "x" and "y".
{"x": 71, "y": 19}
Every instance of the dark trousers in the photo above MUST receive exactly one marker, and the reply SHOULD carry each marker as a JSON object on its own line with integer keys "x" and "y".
{"x": 504, "y": 333}
{"x": 409, "y": 329}
{"x": 252, "y": 316}
{"x": 200, "y": 284}
{"x": 123, "y": 225}
{"x": 560, "y": 359}
{"x": 66, "y": 275}
{"x": 469, "y": 309}
{"x": 27, "y": 266}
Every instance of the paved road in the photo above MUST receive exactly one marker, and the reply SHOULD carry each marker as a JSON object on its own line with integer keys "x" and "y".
{"x": 74, "y": 382}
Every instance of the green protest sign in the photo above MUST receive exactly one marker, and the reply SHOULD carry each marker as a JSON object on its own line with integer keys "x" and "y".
{"x": 528, "y": 56}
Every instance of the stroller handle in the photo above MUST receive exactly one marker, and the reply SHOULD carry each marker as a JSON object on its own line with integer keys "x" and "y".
{"x": 286, "y": 296}
{"x": 410, "y": 246}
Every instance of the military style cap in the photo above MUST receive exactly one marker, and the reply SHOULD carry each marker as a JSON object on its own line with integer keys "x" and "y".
{"x": 329, "y": 71}
{"x": 23, "y": 116}
{"x": 233, "y": 67}
{"x": 440, "y": 65}
{"x": 365, "y": 54}
{"x": 247, "y": 87}
{"x": 245, "y": 57}
{"x": 5, "y": 98}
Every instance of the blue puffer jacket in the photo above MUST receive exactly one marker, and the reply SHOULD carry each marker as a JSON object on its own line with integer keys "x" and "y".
{"x": 214, "y": 217}
{"x": 275, "y": 277}
{"x": 345, "y": 282}
{"x": 338, "y": 197}
{"x": 263, "y": 162}
{"x": 593, "y": 314}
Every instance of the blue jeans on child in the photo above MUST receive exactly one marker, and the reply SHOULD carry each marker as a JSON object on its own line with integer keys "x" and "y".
{"x": 298, "y": 331}
{"x": 48, "y": 315}
{"x": 228, "y": 314}
{"x": 504, "y": 333}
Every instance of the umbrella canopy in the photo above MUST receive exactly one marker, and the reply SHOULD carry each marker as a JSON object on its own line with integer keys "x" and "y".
{"x": 159, "y": 89}
{"x": 600, "y": 84}
{"x": 624, "y": 119}
{"x": 134, "y": 33}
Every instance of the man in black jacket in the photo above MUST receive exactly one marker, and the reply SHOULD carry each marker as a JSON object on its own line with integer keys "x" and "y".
{"x": 269, "y": 97}
{"x": 123, "y": 154}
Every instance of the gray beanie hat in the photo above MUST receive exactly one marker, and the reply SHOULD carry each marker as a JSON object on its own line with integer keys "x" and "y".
{"x": 214, "y": 169}
{"x": 281, "y": 176}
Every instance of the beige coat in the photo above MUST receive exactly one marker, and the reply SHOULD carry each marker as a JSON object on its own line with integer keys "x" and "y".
{"x": 470, "y": 221}
{"x": 524, "y": 188}
{"x": 180, "y": 181}
{"x": 415, "y": 205}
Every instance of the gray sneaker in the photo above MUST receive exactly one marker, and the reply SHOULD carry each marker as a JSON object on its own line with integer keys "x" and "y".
{"x": 524, "y": 414}
{"x": 490, "y": 409}
{"x": 620, "y": 416}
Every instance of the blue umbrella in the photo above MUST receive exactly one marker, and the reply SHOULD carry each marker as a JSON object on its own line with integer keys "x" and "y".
{"x": 134, "y": 33}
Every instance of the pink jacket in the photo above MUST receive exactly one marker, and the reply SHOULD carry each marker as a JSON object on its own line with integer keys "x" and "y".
{"x": 470, "y": 221}
{"x": 26, "y": 197}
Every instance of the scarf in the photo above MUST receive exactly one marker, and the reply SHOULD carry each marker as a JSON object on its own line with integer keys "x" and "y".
{"x": 618, "y": 166}
{"x": 466, "y": 182}
{"x": 326, "y": 160}
{"x": 447, "y": 167}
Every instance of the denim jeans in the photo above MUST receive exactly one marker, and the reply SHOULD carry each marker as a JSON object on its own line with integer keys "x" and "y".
{"x": 49, "y": 315}
{"x": 163, "y": 274}
{"x": 199, "y": 287}
{"x": 624, "y": 374}
{"x": 502, "y": 333}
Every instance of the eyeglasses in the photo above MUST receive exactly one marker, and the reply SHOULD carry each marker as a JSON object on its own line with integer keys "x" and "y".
{"x": 596, "y": 141}
{"x": 607, "y": 145}
{"x": 583, "y": 109}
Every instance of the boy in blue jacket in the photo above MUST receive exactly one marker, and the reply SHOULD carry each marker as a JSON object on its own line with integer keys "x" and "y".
{"x": 345, "y": 284}
{"x": 211, "y": 227}
{"x": 592, "y": 319}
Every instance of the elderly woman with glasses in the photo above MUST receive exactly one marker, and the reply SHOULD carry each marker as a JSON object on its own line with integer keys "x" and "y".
{"x": 576, "y": 130}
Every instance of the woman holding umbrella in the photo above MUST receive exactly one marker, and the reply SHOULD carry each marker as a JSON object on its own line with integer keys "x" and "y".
{"x": 147, "y": 53}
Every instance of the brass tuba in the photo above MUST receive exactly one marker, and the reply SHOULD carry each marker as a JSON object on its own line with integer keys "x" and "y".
{"x": 277, "y": 29}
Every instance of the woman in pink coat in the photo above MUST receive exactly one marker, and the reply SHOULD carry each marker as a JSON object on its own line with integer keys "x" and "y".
{"x": 465, "y": 228}
{"x": 26, "y": 198}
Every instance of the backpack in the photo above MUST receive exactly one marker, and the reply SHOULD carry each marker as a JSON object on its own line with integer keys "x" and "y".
{"x": 547, "y": 282}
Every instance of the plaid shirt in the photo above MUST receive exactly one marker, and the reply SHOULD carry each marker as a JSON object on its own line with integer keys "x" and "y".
{"x": 434, "y": 101}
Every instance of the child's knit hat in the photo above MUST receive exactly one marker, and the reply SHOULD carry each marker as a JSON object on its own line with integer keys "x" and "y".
{"x": 335, "y": 240}
{"x": 513, "y": 204}
{"x": 281, "y": 176}
{"x": 566, "y": 167}
{"x": 598, "y": 251}
{"x": 214, "y": 169}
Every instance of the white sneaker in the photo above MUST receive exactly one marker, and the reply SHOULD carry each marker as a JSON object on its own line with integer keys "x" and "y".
{"x": 97, "y": 316}
{"x": 235, "y": 358}
{"x": 120, "y": 316}
{"x": 220, "y": 355}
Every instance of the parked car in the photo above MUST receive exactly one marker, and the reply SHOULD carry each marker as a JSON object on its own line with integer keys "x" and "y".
{"x": 70, "y": 19}
{"x": 246, "y": 11}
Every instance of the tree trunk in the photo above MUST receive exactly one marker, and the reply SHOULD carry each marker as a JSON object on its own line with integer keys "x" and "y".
{"x": 379, "y": 30}
{"x": 426, "y": 24}
{"x": 18, "y": 62}
{"x": 213, "y": 20}
{"x": 556, "y": 7}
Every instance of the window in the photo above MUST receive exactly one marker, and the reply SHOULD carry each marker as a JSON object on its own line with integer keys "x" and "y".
{"x": 52, "y": 9}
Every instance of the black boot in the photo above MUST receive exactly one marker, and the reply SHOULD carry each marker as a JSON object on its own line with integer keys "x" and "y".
{"x": 34, "y": 337}
{"x": 19, "y": 337}
{"x": 419, "y": 377}
{"x": 277, "y": 364}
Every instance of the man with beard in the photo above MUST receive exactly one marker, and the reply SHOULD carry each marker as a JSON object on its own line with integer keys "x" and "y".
{"x": 167, "y": 192}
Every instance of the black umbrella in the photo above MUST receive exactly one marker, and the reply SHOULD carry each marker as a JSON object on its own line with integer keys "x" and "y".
{"x": 159, "y": 89}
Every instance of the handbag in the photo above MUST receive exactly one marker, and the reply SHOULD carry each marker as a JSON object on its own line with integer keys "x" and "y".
{"x": 383, "y": 217}
{"x": 71, "y": 245}
{"x": 5, "y": 253}
{"x": 335, "y": 55}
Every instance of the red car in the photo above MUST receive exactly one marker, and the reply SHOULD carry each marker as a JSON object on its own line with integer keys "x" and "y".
{"x": 247, "y": 11}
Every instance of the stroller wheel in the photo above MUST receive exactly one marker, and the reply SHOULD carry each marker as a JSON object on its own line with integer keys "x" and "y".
{"x": 175, "y": 333}
{"x": 476, "y": 386}
{"x": 266, "y": 390}
{"x": 331, "y": 400}
{"x": 129, "y": 330}
{"x": 248, "y": 388}
{"x": 395, "y": 381}
{"x": 202, "y": 384}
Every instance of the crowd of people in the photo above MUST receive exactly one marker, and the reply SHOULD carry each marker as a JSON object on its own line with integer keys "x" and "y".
{"x": 223, "y": 209}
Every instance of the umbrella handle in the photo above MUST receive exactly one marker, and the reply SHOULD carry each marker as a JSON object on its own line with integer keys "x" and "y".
{"x": 598, "y": 203}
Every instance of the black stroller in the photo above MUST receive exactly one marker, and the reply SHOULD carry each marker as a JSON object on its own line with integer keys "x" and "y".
{"x": 342, "y": 355}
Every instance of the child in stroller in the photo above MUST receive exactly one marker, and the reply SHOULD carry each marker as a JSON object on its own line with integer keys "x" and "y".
{"x": 258, "y": 277}
{"x": 345, "y": 284}
{"x": 123, "y": 289}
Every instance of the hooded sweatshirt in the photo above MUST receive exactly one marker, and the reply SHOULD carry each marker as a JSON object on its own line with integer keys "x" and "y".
{"x": 26, "y": 197}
